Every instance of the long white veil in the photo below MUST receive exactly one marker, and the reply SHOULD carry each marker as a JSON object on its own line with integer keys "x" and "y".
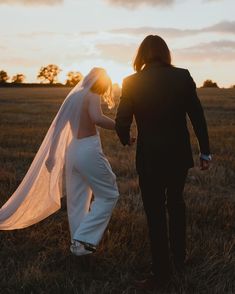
{"x": 39, "y": 194}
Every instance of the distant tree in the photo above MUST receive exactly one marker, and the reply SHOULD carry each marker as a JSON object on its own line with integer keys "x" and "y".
{"x": 209, "y": 84}
{"x": 3, "y": 76}
{"x": 18, "y": 79}
{"x": 49, "y": 73}
{"x": 73, "y": 77}
{"x": 232, "y": 87}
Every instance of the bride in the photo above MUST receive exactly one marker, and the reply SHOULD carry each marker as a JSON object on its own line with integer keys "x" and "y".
{"x": 72, "y": 147}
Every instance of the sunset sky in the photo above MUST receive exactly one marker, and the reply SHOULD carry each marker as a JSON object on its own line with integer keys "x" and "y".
{"x": 80, "y": 34}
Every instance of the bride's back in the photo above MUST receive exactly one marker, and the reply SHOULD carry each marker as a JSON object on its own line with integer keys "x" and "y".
{"x": 91, "y": 112}
{"x": 86, "y": 125}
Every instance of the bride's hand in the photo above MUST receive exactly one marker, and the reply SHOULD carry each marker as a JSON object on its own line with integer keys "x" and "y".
{"x": 50, "y": 162}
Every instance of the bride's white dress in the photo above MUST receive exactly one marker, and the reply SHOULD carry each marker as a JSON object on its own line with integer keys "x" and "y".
{"x": 39, "y": 194}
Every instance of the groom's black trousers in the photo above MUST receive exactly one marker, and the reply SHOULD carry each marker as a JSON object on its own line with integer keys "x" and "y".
{"x": 163, "y": 189}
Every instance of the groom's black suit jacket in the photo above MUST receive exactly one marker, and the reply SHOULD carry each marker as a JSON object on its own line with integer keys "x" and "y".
{"x": 159, "y": 97}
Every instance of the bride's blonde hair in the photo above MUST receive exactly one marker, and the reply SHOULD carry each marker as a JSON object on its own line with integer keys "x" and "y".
{"x": 103, "y": 87}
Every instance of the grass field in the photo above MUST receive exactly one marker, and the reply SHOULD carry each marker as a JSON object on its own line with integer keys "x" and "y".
{"x": 37, "y": 259}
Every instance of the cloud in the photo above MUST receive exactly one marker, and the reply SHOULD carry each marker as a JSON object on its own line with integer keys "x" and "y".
{"x": 136, "y": 3}
{"x": 214, "y": 51}
{"x": 222, "y": 27}
{"x": 31, "y": 2}
{"x": 227, "y": 27}
{"x": 122, "y": 53}
{"x": 170, "y": 32}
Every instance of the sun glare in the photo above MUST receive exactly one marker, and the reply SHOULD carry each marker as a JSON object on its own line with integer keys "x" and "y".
{"x": 115, "y": 70}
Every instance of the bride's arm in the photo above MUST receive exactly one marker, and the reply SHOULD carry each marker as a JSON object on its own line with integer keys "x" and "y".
{"x": 96, "y": 114}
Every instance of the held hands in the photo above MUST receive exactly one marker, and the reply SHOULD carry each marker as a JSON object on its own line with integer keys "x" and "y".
{"x": 204, "y": 164}
{"x": 50, "y": 162}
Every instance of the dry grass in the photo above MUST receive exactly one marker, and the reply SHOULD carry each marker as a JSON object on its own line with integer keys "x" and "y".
{"x": 37, "y": 259}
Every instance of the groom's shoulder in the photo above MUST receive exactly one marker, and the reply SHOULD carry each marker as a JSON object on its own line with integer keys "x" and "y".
{"x": 130, "y": 78}
{"x": 135, "y": 77}
{"x": 180, "y": 70}
{"x": 180, "y": 73}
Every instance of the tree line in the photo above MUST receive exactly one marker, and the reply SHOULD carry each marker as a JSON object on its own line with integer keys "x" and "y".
{"x": 49, "y": 74}
{"x": 46, "y": 75}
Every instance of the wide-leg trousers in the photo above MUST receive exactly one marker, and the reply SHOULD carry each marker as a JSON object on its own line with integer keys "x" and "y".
{"x": 89, "y": 172}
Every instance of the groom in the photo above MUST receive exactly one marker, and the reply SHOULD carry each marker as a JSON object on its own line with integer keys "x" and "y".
{"x": 159, "y": 96}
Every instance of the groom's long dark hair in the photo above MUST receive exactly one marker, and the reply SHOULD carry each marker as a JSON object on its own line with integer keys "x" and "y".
{"x": 152, "y": 49}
